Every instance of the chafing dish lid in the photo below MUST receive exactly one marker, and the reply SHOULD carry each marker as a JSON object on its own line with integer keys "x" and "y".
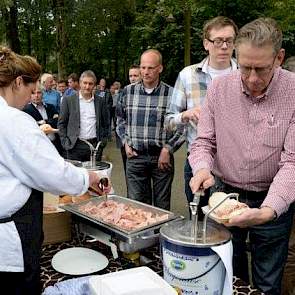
{"x": 98, "y": 165}
{"x": 180, "y": 232}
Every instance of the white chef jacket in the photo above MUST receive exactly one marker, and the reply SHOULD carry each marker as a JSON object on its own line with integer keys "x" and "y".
{"x": 28, "y": 160}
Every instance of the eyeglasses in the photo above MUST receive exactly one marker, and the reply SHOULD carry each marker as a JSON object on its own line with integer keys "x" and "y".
{"x": 218, "y": 42}
{"x": 260, "y": 71}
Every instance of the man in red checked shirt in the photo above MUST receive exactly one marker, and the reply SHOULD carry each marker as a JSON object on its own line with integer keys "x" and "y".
{"x": 246, "y": 140}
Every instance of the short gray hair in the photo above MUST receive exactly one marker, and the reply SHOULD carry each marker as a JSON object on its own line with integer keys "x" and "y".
{"x": 88, "y": 73}
{"x": 261, "y": 32}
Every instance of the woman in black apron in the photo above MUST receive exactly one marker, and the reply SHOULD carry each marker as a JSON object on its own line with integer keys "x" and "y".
{"x": 28, "y": 163}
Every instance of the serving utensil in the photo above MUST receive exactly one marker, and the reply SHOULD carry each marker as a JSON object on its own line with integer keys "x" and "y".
{"x": 194, "y": 210}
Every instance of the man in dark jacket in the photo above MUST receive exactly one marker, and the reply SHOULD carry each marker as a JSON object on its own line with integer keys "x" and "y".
{"x": 44, "y": 113}
{"x": 83, "y": 120}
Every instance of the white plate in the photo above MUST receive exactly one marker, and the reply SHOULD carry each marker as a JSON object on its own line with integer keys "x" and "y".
{"x": 78, "y": 261}
{"x": 139, "y": 280}
{"x": 55, "y": 130}
{"x": 213, "y": 216}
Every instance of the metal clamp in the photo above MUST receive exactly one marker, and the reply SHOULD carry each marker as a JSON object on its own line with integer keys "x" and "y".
{"x": 93, "y": 151}
{"x": 204, "y": 230}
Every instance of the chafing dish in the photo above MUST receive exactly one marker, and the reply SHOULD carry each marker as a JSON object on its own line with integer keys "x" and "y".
{"x": 127, "y": 240}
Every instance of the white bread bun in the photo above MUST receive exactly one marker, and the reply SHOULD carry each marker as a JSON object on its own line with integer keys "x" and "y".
{"x": 83, "y": 197}
{"x": 229, "y": 208}
{"x": 45, "y": 127}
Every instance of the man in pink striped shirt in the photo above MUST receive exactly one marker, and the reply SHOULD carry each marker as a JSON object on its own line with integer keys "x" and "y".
{"x": 246, "y": 140}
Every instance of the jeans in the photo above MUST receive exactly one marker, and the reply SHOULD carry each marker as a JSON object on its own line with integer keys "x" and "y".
{"x": 268, "y": 243}
{"x": 147, "y": 183}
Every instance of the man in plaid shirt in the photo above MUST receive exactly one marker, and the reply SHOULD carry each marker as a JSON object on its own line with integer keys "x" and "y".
{"x": 191, "y": 86}
{"x": 149, "y": 147}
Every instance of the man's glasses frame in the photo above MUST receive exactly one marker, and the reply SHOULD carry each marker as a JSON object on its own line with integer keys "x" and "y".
{"x": 218, "y": 42}
{"x": 260, "y": 71}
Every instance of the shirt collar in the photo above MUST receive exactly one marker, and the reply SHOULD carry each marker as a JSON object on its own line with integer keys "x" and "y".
{"x": 269, "y": 88}
{"x": 3, "y": 101}
{"x": 82, "y": 98}
{"x": 203, "y": 65}
{"x": 36, "y": 105}
{"x": 155, "y": 89}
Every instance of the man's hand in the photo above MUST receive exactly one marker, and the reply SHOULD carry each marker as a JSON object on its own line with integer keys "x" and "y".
{"x": 129, "y": 151}
{"x": 253, "y": 216}
{"x": 94, "y": 183}
{"x": 203, "y": 179}
{"x": 191, "y": 115}
{"x": 164, "y": 160}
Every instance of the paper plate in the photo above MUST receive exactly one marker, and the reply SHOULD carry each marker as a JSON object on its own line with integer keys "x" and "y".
{"x": 78, "y": 261}
{"x": 213, "y": 216}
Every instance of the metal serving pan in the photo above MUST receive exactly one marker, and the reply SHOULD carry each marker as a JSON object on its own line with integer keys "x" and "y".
{"x": 74, "y": 208}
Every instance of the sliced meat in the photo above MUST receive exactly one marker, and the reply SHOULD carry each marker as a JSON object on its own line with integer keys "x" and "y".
{"x": 122, "y": 215}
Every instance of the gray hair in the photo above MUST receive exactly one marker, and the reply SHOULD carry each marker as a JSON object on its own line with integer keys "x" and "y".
{"x": 289, "y": 64}
{"x": 88, "y": 73}
{"x": 261, "y": 32}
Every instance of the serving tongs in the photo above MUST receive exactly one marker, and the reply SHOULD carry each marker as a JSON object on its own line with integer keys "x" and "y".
{"x": 204, "y": 229}
{"x": 104, "y": 182}
{"x": 194, "y": 210}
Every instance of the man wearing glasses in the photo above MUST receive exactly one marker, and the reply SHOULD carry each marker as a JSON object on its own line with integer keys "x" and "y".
{"x": 191, "y": 86}
{"x": 246, "y": 139}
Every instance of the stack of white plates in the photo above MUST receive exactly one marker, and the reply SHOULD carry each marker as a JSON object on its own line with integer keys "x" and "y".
{"x": 139, "y": 280}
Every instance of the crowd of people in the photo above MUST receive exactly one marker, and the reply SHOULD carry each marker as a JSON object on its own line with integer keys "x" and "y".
{"x": 237, "y": 116}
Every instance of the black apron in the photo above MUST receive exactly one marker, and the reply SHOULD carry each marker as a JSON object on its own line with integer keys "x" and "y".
{"x": 28, "y": 221}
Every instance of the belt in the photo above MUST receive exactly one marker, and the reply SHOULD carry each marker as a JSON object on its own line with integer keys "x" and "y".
{"x": 251, "y": 195}
{"x": 91, "y": 140}
{"x": 152, "y": 151}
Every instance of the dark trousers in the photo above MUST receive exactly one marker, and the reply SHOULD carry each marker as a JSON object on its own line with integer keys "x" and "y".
{"x": 124, "y": 158}
{"x": 81, "y": 151}
{"x": 113, "y": 117}
{"x": 188, "y": 174}
{"x": 268, "y": 243}
{"x": 28, "y": 221}
{"x": 147, "y": 183}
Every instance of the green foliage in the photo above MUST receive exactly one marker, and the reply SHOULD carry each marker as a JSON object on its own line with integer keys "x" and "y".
{"x": 108, "y": 36}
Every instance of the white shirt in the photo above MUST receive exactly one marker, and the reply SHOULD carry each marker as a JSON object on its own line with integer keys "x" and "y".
{"x": 28, "y": 160}
{"x": 215, "y": 73}
{"x": 87, "y": 118}
{"x": 41, "y": 109}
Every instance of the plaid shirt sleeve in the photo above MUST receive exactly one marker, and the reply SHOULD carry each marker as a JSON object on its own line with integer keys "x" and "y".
{"x": 177, "y": 133}
{"x": 177, "y": 106}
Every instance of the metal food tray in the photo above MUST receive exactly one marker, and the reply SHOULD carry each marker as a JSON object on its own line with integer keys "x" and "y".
{"x": 74, "y": 208}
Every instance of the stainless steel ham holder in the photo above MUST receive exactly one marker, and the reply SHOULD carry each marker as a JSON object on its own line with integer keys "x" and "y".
{"x": 190, "y": 263}
{"x": 127, "y": 241}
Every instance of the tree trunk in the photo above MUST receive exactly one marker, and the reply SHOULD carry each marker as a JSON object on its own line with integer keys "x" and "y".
{"x": 10, "y": 18}
{"x": 60, "y": 37}
{"x": 187, "y": 34}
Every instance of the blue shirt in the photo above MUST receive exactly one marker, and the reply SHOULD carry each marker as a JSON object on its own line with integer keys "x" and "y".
{"x": 52, "y": 97}
{"x": 70, "y": 92}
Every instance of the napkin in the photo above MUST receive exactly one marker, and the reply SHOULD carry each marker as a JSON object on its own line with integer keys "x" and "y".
{"x": 225, "y": 252}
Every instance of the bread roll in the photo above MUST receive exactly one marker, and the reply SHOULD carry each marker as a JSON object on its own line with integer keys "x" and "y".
{"x": 83, "y": 197}
{"x": 65, "y": 199}
{"x": 229, "y": 208}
